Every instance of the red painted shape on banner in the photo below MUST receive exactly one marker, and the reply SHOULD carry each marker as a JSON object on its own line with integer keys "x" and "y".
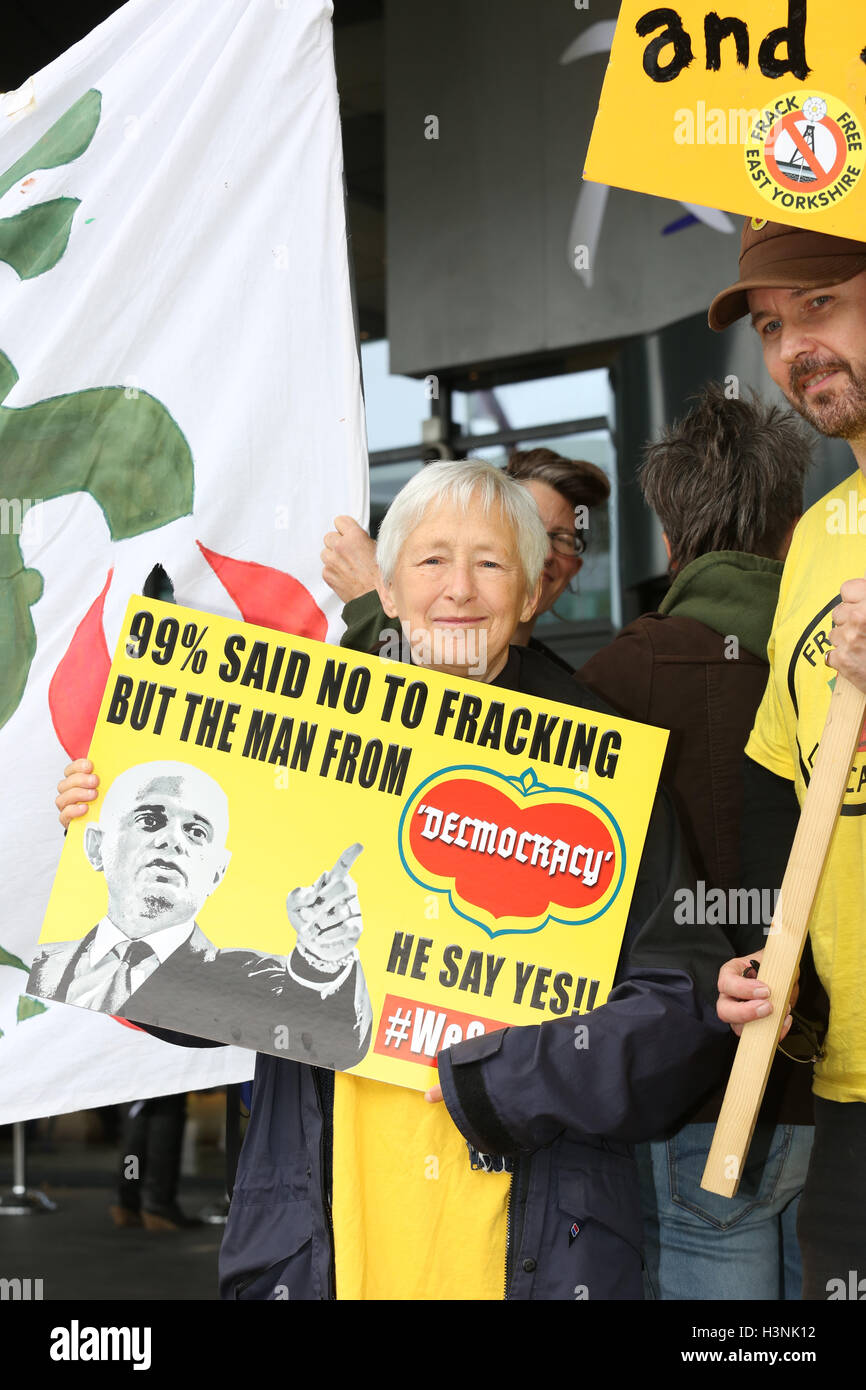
{"x": 77, "y": 686}
{"x": 501, "y": 882}
{"x": 268, "y": 597}
{"x": 126, "y": 1023}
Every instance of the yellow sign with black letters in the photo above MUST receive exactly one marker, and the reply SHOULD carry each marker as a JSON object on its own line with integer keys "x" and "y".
{"x": 757, "y": 108}
{"x": 350, "y": 861}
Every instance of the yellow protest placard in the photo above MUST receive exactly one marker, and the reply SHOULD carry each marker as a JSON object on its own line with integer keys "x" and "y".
{"x": 334, "y": 857}
{"x": 757, "y": 108}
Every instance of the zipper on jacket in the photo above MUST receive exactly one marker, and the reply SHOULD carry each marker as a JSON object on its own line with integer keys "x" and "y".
{"x": 515, "y": 1218}
{"x": 325, "y": 1094}
{"x": 508, "y": 1235}
{"x": 250, "y": 1279}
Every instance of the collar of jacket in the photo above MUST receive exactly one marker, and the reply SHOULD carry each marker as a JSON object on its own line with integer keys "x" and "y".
{"x": 731, "y": 592}
{"x": 508, "y": 677}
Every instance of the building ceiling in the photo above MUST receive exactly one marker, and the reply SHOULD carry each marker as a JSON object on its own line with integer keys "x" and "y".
{"x": 34, "y": 35}
{"x": 359, "y": 43}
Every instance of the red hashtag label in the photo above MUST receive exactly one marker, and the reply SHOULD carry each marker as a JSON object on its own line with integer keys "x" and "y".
{"x": 416, "y": 1032}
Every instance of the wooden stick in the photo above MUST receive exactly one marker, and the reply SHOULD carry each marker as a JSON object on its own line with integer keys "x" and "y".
{"x": 786, "y": 939}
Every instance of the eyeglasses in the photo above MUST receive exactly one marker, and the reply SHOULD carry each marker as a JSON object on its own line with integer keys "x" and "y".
{"x": 569, "y": 543}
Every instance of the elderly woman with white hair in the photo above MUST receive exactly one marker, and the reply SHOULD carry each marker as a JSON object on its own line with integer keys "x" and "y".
{"x": 521, "y": 1184}
{"x": 460, "y": 553}
{"x": 565, "y": 492}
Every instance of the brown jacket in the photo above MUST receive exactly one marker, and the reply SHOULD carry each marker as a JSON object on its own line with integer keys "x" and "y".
{"x": 704, "y": 684}
{"x": 673, "y": 672}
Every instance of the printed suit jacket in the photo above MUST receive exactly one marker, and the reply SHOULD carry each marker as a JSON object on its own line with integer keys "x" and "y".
{"x": 231, "y": 996}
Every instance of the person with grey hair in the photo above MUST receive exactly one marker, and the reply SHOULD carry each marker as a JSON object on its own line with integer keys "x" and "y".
{"x": 532, "y": 1140}
{"x": 564, "y": 491}
{"x": 726, "y": 482}
{"x": 160, "y": 841}
{"x": 461, "y": 644}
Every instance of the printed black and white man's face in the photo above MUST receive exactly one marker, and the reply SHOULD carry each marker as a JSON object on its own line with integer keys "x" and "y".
{"x": 163, "y": 852}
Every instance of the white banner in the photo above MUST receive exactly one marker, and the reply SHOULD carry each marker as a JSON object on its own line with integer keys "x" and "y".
{"x": 179, "y": 386}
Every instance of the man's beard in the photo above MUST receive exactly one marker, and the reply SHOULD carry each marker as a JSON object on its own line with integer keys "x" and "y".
{"x": 836, "y": 414}
{"x": 153, "y": 905}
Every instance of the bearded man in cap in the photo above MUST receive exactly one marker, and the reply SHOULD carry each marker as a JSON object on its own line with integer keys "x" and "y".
{"x": 806, "y": 295}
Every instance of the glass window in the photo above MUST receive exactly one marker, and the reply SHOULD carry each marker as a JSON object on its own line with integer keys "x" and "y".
{"x": 395, "y": 405}
{"x": 577, "y": 396}
{"x": 386, "y": 480}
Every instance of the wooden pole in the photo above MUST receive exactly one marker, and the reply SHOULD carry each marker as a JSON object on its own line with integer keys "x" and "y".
{"x": 786, "y": 939}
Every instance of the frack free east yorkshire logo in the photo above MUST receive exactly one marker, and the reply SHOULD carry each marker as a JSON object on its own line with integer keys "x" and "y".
{"x": 805, "y": 152}
{"x": 511, "y": 853}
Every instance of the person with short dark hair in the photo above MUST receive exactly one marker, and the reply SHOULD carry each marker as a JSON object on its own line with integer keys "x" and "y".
{"x": 728, "y": 476}
{"x": 581, "y": 483}
{"x": 726, "y": 482}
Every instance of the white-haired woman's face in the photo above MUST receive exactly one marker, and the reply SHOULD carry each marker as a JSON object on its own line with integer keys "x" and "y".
{"x": 459, "y": 590}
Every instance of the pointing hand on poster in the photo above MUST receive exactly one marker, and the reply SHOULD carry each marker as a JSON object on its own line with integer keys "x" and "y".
{"x": 327, "y": 915}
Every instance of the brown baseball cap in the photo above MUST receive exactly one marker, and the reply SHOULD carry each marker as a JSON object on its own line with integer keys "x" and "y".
{"x": 776, "y": 256}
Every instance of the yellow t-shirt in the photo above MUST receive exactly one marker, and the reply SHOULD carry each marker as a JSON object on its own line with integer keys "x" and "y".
{"x": 412, "y": 1218}
{"x": 828, "y": 548}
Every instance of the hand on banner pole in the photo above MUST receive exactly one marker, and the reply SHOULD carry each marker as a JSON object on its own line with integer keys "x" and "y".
{"x": 349, "y": 560}
{"x": 743, "y": 997}
{"x": 848, "y": 653}
{"x": 327, "y": 915}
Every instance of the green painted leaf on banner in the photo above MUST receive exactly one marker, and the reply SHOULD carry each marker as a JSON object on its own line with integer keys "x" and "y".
{"x": 122, "y": 446}
{"x": 7, "y": 958}
{"x": 33, "y": 240}
{"x": 29, "y": 1008}
{"x": 69, "y": 137}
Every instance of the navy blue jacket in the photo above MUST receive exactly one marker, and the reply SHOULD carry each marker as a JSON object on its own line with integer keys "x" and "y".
{"x": 563, "y": 1106}
{"x": 566, "y": 1113}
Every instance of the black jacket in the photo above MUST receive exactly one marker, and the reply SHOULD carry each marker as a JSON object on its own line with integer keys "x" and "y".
{"x": 565, "y": 1109}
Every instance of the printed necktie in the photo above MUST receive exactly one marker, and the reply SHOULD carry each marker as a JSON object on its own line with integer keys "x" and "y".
{"x": 121, "y": 985}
